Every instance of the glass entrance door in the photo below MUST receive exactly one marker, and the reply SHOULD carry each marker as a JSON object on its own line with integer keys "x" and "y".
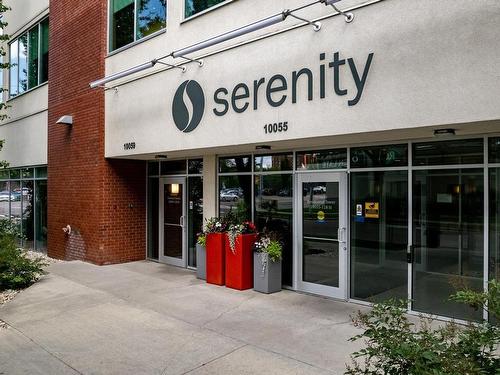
{"x": 172, "y": 221}
{"x": 322, "y": 233}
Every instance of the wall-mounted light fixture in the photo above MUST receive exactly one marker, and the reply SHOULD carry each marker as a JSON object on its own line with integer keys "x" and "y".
{"x": 160, "y": 156}
{"x": 65, "y": 120}
{"x": 174, "y": 189}
{"x": 444, "y": 132}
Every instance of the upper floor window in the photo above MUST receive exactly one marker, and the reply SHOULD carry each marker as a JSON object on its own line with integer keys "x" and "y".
{"x": 196, "y": 6}
{"x": 29, "y": 59}
{"x": 132, "y": 20}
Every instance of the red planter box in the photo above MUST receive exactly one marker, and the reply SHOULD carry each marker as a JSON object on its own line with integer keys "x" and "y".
{"x": 215, "y": 248}
{"x": 239, "y": 265}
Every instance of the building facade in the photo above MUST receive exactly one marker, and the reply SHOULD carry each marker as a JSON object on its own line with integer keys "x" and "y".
{"x": 371, "y": 146}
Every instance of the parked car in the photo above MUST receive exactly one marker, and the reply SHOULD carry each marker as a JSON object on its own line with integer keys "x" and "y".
{"x": 228, "y": 196}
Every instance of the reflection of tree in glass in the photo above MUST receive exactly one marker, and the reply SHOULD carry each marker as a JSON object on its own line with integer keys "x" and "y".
{"x": 196, "y": 6}
{"x": 152, "y": 16}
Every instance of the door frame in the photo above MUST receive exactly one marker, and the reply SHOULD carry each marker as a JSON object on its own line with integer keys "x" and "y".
{"x": 343, "y": 235}
{"x": 161, "y": 217}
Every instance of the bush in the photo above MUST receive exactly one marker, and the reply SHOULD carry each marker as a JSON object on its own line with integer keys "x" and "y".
{"x": 16, "y": 270}
{"x": 396, "y": 346}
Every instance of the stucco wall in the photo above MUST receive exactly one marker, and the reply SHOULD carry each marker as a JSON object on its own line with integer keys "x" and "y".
{"x": 434, "y": 63}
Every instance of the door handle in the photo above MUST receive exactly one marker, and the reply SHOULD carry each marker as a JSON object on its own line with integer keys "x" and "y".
{"x": 341, "y": 234}
{"x": 181, "y": 221}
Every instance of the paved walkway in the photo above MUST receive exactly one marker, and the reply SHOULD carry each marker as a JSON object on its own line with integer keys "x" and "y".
{"x": 149, "y": 318}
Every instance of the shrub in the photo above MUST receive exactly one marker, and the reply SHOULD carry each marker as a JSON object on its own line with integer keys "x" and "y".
{"x": 16, "y": 270}
{"x": 396, "y": 346}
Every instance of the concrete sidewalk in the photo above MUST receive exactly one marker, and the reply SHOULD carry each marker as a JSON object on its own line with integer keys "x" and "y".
{"x": 149, "y": 318}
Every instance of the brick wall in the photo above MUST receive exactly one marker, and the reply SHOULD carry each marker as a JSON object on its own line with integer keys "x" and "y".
{"x": 104, "y": 201}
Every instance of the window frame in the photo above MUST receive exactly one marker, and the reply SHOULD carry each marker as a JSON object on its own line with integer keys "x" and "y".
{"x": 136, "y": 40}
{"x": 38, "y": 26}
{"x": 205, "y": 11}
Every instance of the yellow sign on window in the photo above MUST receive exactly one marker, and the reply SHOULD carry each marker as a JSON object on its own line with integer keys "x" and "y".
{"x": 372, "y": 210}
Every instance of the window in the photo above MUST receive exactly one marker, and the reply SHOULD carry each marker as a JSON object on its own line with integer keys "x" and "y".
{"x": 467, "y": 151}
{"x": 29, "y": 59}
{"x": 193, "y": 7}
{"x": 323, "y": 159}
{"x": 131, "y": 20}
{"x": 379, "y": 156}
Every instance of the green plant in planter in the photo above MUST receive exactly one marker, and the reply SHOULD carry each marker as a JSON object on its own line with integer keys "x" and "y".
{"x": 234, "y": 231}
{"x": 202, "y": 239}
{"x": 269, "y": 244}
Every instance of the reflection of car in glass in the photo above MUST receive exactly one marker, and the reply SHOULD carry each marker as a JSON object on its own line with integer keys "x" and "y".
{"x": 268, "y": 191}
{"x": 6, "y": 196}
{"x": 319, "y": 190}
{"x": 228, "y": 196}
{"x": 284, "y": 193}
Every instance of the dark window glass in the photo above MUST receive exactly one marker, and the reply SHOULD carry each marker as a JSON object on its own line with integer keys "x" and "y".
{"x": 23, "y": 63}
{"x": 4, "y": 200}
{"x": 323, "y": 159}
{"x": 4, "y": 174}
{"x": 273, "y": 211}
{"x": 195, "y": 166}
{"x": 235, "y": 164}
{"x": 27, "y": 173}
{"x": 195, "y": 215}
{"x": 122, "y": 21}
{"x": 379, "y": 156}
{"x": 153, "y": 168}
{"x": 14, "y": 69}
{"x": 197, "y": 6}
{"x": 235, "y": 194}
{"x": 152, "y": 16}
{"x": 448, "y": 239}
{"x": 44, "y": 51}
{"x": 41, "y": 215}
{"x": 494, "y": 150}
{"x": 173, "y": 167}
{"x": 33, "y": 58}
{"x": 15, "y": 173}
{"x": 494, "y": 235}
{"x": 278, "y": 162}
{"x": 153, "y": 210}
{"x": 41, "y": 172}
{"x": 28, "y": 222}
{"x": 15, "y": 202}
{"x": 379, "y": 269}
{"x": 468, "y": 151}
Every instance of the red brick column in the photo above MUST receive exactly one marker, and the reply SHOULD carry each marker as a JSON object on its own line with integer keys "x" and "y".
{"x": 104, "y": 201}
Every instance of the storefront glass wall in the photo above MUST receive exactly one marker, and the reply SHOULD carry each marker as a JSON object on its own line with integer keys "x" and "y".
{"x": 23, "y": 201}
{"x": 235, "y": 186}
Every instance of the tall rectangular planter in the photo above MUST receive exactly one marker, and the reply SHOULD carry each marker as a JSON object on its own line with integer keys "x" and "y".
{"x": 215, "y": 263}
{"x": 239, "y": 264}
{"x": 201, "y": 262}
{"x": 267, "y": 274}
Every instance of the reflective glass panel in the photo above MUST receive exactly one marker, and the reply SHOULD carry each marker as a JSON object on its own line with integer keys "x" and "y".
{"x": 235, "y": 194}
{"x": 4, "y": 200}
{"x": 195, "y": 215}
{"x": 271, "y": 163}
{"x": 15, "y": 202}
{"x": 33, "y": 58}
{"x": 15, "y": 173}
{"x": 379, "y": 156}
{"x": 41, "y": 215}
{"x": 28, "y": 215}
{"x": 41, "y": 172}
{"x": 466, "y": 151}
{"x": 173, "y": 167}
{"x": 379, "y": 235}
{"x": 23, "y": 63}
{"x": 4, "y": 174}
{"x": 235, "y": 164}
{"x": 324, "y": 159}
{"x": 494, "y": 150}
{"x": 448, "y": 239}
{"x": 14, "y": 69}
{"x": 151, "y": 17}
{"x": 196, "y": 6}
{"x": 122, "y": 23}
{"x": 273, "y": 212}
{"x": 195, "y": 166}
{"x": 153, "y": 211}
{"x": 320, "y": 223}
{"x": 44, "y": 51}
{"x": 27, "y": 173}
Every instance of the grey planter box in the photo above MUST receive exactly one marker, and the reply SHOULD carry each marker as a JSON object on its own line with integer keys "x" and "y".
{"x": 201, "y": 262}
{"x": 266, "y": 279}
